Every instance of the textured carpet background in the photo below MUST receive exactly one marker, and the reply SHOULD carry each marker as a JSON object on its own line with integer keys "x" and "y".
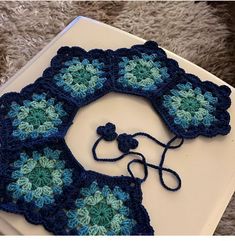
{"x": 200, "y": 32}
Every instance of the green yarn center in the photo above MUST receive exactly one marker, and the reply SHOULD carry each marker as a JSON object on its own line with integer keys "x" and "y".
{"x": 101, "y": 214}
{"x": 141, "y": 72}
{"x": 37, "y": 117}
{"x": 40, "y": 177}
{"x": 190, "y": 104}
{"x": 81, "y": 76}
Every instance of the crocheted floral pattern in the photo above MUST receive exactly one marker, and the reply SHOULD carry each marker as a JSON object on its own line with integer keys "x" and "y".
{"x": 101, "y": 211}
{"x": 190, "y": 107}
{"x": 108, "y": 132}
{"x": 37, "y": 117}
{"x": 126, "y": 142}
{"x": 81, "y": 78}
{"x": 39, "y": 177}
{"x": 145, "y": 72}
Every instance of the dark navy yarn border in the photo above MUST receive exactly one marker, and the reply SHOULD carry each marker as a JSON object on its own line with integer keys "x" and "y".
{"x": 6, "y": 128}
{"x": 149, "y": 47}
{"x": 110, "y": 58}
{"x": 222, "y": 92}
{"x": 67, "y": 53}
{"x": 53, "y": 216}
{"x": 49, "y": 216}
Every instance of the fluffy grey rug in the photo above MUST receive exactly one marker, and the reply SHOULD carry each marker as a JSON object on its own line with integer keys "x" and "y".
{"x": 202, "y": 33}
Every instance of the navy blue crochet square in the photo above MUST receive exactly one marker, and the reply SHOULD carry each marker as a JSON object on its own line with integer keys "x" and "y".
{"x": 142, "y": 69}
{"x": 34, "y": 114}
{"x": 107, "y": 205}
{"x": 47, "y": 185}
{"x": 190, "y": 107}
{"x": 79, "y": 75}
{"x": 36, "y": 181}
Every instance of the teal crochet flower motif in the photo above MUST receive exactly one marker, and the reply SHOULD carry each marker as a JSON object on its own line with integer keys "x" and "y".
{"x": 39, "y": 177}
{"x": 81, "y": 78}
{"x": 190, "y": 106}
{"x": 39, "y": 117}
{"x": 145, "y": 72}
{"x": 101, "y": 211}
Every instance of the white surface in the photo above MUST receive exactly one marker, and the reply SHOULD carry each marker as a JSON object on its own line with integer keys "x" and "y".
{"x": 205, "y": 165}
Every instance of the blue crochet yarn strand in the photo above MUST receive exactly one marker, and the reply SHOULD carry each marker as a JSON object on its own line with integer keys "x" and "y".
{"x": 142, "y": 160}
{"x": 45, "y": 187}
{"x": 160, "y": 168}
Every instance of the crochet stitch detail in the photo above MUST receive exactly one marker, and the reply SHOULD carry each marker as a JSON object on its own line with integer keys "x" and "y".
{"x": 190, "y": 107}
{"x": 37, "y": 117}
{"x": 101, "y": 211}
{"x": 80, "y": 78}
{"x": 126, "y": 142}
{"x": 46, "y": 184}
{"x": 40, "y": 178}
{"x": 34, "y": 114}
{"x": 144, "y": 72}
{"x": 107, "y": 132}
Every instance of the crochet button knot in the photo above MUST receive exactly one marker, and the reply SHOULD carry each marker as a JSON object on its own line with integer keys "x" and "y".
{"x": 126, "y": 142}
{"x": 108, "y": 132}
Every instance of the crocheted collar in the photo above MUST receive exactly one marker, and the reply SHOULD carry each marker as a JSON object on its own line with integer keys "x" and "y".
{"x": 40, "y": 178}
{"x": 188, "y": 106}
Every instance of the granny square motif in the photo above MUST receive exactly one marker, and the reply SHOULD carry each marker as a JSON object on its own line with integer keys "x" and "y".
{"x": 34, "y": 114}
{"x": 41, "y": 179}
{"x": 191, "y": 107}
{"x": 142, "y": 69}
{"x": 79, "y": 75}
{"x": 46, "y": 184}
